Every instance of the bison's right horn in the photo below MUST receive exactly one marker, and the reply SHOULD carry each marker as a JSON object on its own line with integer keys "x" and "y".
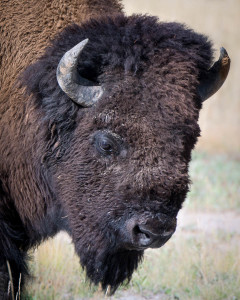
{"x": 79, "y": 89}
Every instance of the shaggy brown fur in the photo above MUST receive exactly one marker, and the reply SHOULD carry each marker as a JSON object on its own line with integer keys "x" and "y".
{"x": 53, "y": 175}
{"x": 26, "y": 27}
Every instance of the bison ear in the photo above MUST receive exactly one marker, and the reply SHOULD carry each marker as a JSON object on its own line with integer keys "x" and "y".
{"x": 215, "y": 76}
{"x": 79, "y": 89}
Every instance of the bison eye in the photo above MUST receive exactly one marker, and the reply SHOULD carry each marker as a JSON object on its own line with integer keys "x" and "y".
{"x": 106, "y": 143}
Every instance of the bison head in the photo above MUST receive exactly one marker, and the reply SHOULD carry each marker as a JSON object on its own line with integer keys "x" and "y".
{"x": 120, "y": 121}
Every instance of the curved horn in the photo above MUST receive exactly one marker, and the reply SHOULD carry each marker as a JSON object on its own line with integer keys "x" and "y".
{"x": 215, "y": 76}
{"x": 79, "y": 89}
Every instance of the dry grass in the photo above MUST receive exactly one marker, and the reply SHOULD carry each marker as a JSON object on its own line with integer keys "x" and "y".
{"x": 190, "y": 266}
{"x": 57, "y": 272}
{"x": 193, "y": 267}
{"x": 11, "y": 280}
{"x": 220, "y": 20}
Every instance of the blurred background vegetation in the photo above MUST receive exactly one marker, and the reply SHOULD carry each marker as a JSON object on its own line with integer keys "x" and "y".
{"x": 202, "y": 260}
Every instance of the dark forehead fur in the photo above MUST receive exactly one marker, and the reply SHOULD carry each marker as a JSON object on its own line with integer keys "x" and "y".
{"x": 120, "y": 46}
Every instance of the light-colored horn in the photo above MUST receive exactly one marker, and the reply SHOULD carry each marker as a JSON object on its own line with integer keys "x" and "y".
{"x": 215, "y": 76}
{"x": 79, "y": 89}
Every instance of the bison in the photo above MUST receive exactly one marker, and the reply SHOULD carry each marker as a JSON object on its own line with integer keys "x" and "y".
{"x": 98, "y": 117}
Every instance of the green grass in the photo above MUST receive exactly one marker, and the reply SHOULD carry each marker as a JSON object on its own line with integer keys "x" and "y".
{"x": 215, "y": 183}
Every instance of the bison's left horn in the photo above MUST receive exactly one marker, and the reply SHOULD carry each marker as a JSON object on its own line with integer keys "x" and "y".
{"x": 215, "y": 76}
{"x": 79, "y": 89}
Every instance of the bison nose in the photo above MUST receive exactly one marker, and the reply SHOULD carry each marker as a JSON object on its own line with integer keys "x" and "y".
{"x": 146, "y": 238}
{"x": 153, "y": 233}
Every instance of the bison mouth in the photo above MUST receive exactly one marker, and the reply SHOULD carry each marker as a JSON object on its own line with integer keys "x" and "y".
{"x": 111, "y": 256}
{"x": 111, "y": 269}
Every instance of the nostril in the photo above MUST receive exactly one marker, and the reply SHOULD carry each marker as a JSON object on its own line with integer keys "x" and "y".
{"x": 148, "y": 233}
{"x": 142, "y": 237}
{"x": 137, "y": 231}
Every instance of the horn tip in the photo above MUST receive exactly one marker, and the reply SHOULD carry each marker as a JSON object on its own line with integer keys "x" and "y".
{"x": 85, "y": 41}
{"x": 223, "y": 53}
{"x": 79, "y": 47}
{"x": 224, "y": 58}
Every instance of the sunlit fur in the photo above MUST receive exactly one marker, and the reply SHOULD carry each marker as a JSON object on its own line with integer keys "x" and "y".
{"x": 53, "y": 178}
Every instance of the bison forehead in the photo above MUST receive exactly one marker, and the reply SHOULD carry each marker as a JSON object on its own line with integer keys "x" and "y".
{"x": 135, "y": 107}
{"x": 159, "y": 92}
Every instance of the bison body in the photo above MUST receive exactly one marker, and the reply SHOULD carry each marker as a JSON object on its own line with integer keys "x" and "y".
{"x": 113, "y": 174}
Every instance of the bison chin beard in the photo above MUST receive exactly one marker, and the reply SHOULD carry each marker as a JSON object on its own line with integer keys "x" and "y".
{"x": 108, "y": 267}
